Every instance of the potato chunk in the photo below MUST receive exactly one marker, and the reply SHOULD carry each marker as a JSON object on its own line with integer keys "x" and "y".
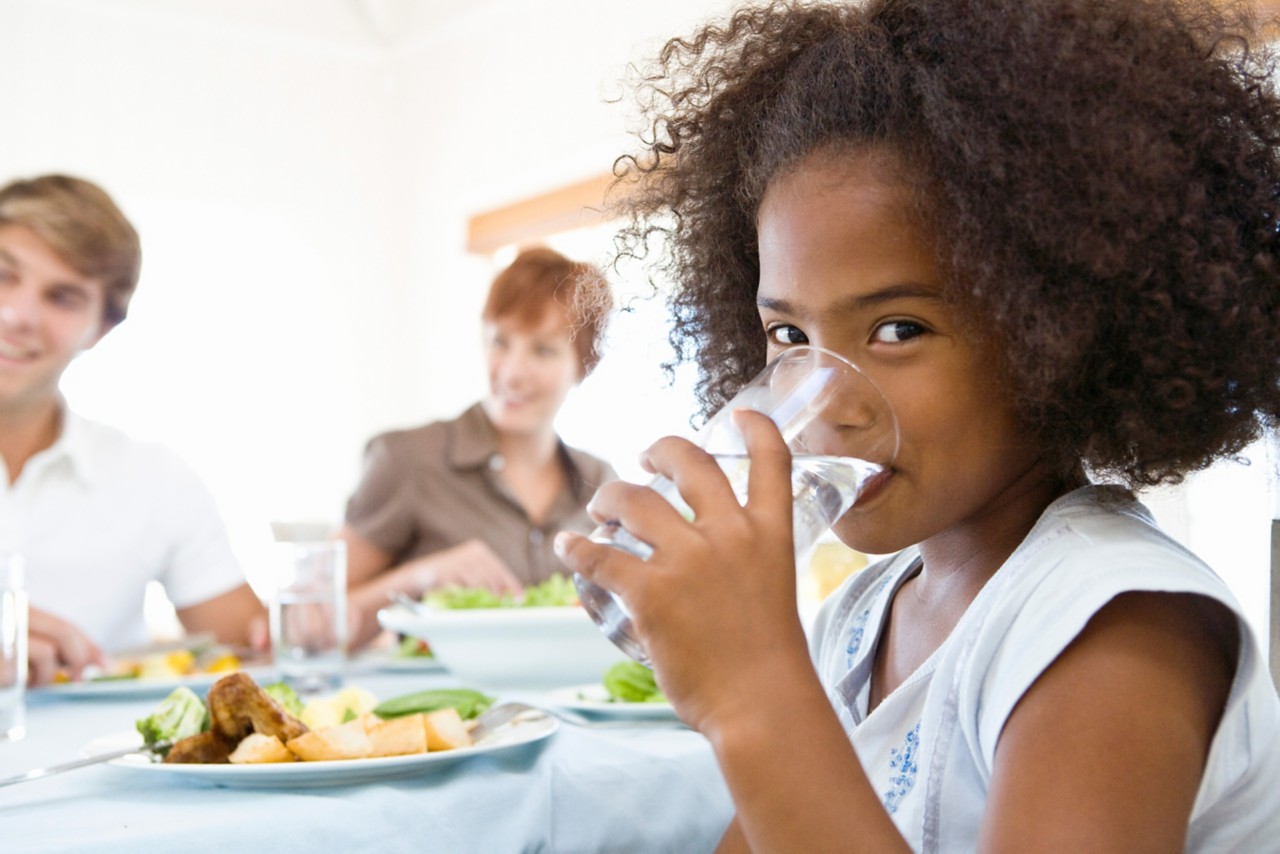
{"x": 399, "y": 736}
{"x": 257, "y": 748}
{"x": 345, "y": 741}
{"x": 445, "y": 730}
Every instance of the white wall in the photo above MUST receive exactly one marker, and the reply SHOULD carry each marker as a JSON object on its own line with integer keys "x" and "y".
{"x": 302, "y": 172}
{"x": 302, "y": 181}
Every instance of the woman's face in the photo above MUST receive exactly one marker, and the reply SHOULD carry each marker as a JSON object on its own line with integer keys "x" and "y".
{"x": 531, "y": 370}
{"x": 843, "y": 267}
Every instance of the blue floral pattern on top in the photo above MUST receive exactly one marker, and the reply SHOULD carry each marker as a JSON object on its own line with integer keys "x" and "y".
{"x": 904, "y": 762}
{"x": 859, "y": 627}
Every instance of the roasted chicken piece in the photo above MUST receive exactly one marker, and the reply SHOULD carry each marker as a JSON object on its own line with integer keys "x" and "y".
{"x": 237, "y": 707}
{"x": 206, "y": 748}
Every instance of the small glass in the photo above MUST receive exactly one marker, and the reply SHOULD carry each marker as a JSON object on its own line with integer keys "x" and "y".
{"x": 842, "y": 435}
{"x": 13, "y": 647}
{"x": 308, "y": 614}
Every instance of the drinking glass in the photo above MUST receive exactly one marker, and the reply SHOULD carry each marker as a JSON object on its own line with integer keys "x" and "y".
{"x": 13, "y": 647}
{"x": 308, "y": 614}
{"x": 842, "y": 435}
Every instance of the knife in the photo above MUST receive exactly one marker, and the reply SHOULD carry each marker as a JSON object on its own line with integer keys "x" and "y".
{"x": 49, "y": 771}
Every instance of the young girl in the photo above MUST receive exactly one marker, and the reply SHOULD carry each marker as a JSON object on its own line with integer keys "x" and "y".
{"x": 1047, "y": 229}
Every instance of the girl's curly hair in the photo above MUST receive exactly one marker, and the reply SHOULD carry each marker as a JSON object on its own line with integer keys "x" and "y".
{"x": 1102, "y": 177}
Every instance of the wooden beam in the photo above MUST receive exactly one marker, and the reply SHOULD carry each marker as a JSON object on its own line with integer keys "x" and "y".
{"x": 564, "y": 209}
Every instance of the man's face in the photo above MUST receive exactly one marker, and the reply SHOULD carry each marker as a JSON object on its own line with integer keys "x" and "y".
{"x": 49, "y": 313}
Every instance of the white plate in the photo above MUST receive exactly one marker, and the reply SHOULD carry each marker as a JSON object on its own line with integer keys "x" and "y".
{"x": 389, "y": 662}
{"x": 137, "y": 688}
{"x": 594, "y": 700}
{"x": 335, "y": 773}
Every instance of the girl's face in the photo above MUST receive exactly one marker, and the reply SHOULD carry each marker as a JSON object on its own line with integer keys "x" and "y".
{"x": 843, "y": 267}
{"x": 531, "y": 370}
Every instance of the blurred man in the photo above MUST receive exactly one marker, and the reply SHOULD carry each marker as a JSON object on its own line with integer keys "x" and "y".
{"x": 96, "y": 514}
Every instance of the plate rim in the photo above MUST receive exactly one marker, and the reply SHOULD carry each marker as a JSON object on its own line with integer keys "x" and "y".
{"x": 562, "y": 697}
{"x": 138, "y": 686}
{"x": 325, "y": 772}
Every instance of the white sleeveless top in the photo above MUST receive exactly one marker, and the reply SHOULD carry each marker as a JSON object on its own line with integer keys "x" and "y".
{"x": 928, "y": 748}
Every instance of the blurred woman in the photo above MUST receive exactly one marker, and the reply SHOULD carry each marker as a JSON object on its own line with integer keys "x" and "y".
{"x": 475, "y": 501}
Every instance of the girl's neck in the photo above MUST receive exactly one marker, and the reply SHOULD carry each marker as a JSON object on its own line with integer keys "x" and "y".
{"x": 957, "y": 562}
{"x": 26, "y": 431}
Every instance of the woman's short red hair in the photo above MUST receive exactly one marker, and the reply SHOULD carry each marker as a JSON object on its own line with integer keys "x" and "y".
{"x": 540, "y": 279}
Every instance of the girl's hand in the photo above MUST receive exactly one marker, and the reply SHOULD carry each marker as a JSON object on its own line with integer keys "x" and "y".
{"x": 715, "y": 605}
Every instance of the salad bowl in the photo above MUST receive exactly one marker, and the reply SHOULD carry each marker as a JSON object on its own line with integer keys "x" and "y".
{"x": 528, "y": 647}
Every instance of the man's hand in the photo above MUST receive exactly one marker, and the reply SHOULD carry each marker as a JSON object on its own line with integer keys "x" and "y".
{"x": 55, "y": 645}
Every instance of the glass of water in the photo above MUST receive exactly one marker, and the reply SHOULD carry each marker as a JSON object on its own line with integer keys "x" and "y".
{"x": 308, "y": 614}
{"x": 842, "y": 435}
{"x": 13, "y": 647}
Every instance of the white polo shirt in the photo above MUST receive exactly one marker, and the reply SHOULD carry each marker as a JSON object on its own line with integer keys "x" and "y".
{"x": 98, "y": 515}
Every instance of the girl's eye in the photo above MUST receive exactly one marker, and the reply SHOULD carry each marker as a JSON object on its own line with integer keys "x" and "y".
{"x": 897, "y": 331}
{"x": 785, "y": 334}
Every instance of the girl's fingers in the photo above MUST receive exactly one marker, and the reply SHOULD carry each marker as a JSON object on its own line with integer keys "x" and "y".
{"x": 607, "y": 566}
{"x": 769, "y": 484}
{"x": 696, "y": 474}
{"x": 641, "y": 510}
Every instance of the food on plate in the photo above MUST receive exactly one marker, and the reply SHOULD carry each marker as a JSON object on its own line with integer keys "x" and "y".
{"x": 556, "y": 591}
{"x": 632, "y": 682}
{"x": 284, "y": 694}
{"x": 466, "y": 701}
{"x": 258, "y": 748}
{"x": 346, "y": 705}
{"x": 178, "y": 716}
{"x": 244, "y": 723}
{"x": 171, "y": 664}
{"x": 411, "y": 647}
{"x": 238, "y": 707}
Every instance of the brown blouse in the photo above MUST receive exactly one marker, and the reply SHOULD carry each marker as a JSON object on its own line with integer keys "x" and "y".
{"x": 437, "y": 486}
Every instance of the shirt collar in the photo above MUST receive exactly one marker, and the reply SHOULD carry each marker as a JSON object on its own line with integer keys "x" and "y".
{"x": 473, "y": 443}
{"x": 472, "y": 440}
{"x": 74, "y": 445}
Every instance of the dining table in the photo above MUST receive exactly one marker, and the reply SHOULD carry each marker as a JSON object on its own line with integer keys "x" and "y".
{"x": 631, "y": 784}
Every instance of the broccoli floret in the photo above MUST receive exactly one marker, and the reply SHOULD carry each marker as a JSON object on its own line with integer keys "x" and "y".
{"x": 284, "y": 694}
{"x": 178, "y": 716}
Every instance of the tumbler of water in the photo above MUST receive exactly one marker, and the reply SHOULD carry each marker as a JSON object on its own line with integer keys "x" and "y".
{"x": 842, "y": 435}
{"x": 308, "y": 614}
{"x": 13, "y": 647}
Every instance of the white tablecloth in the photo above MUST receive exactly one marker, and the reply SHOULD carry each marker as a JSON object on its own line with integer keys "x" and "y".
{"x": 581, "y": 790}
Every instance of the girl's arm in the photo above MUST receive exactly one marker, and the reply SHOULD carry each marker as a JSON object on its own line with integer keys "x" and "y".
{"x": 1106, "y": 750}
